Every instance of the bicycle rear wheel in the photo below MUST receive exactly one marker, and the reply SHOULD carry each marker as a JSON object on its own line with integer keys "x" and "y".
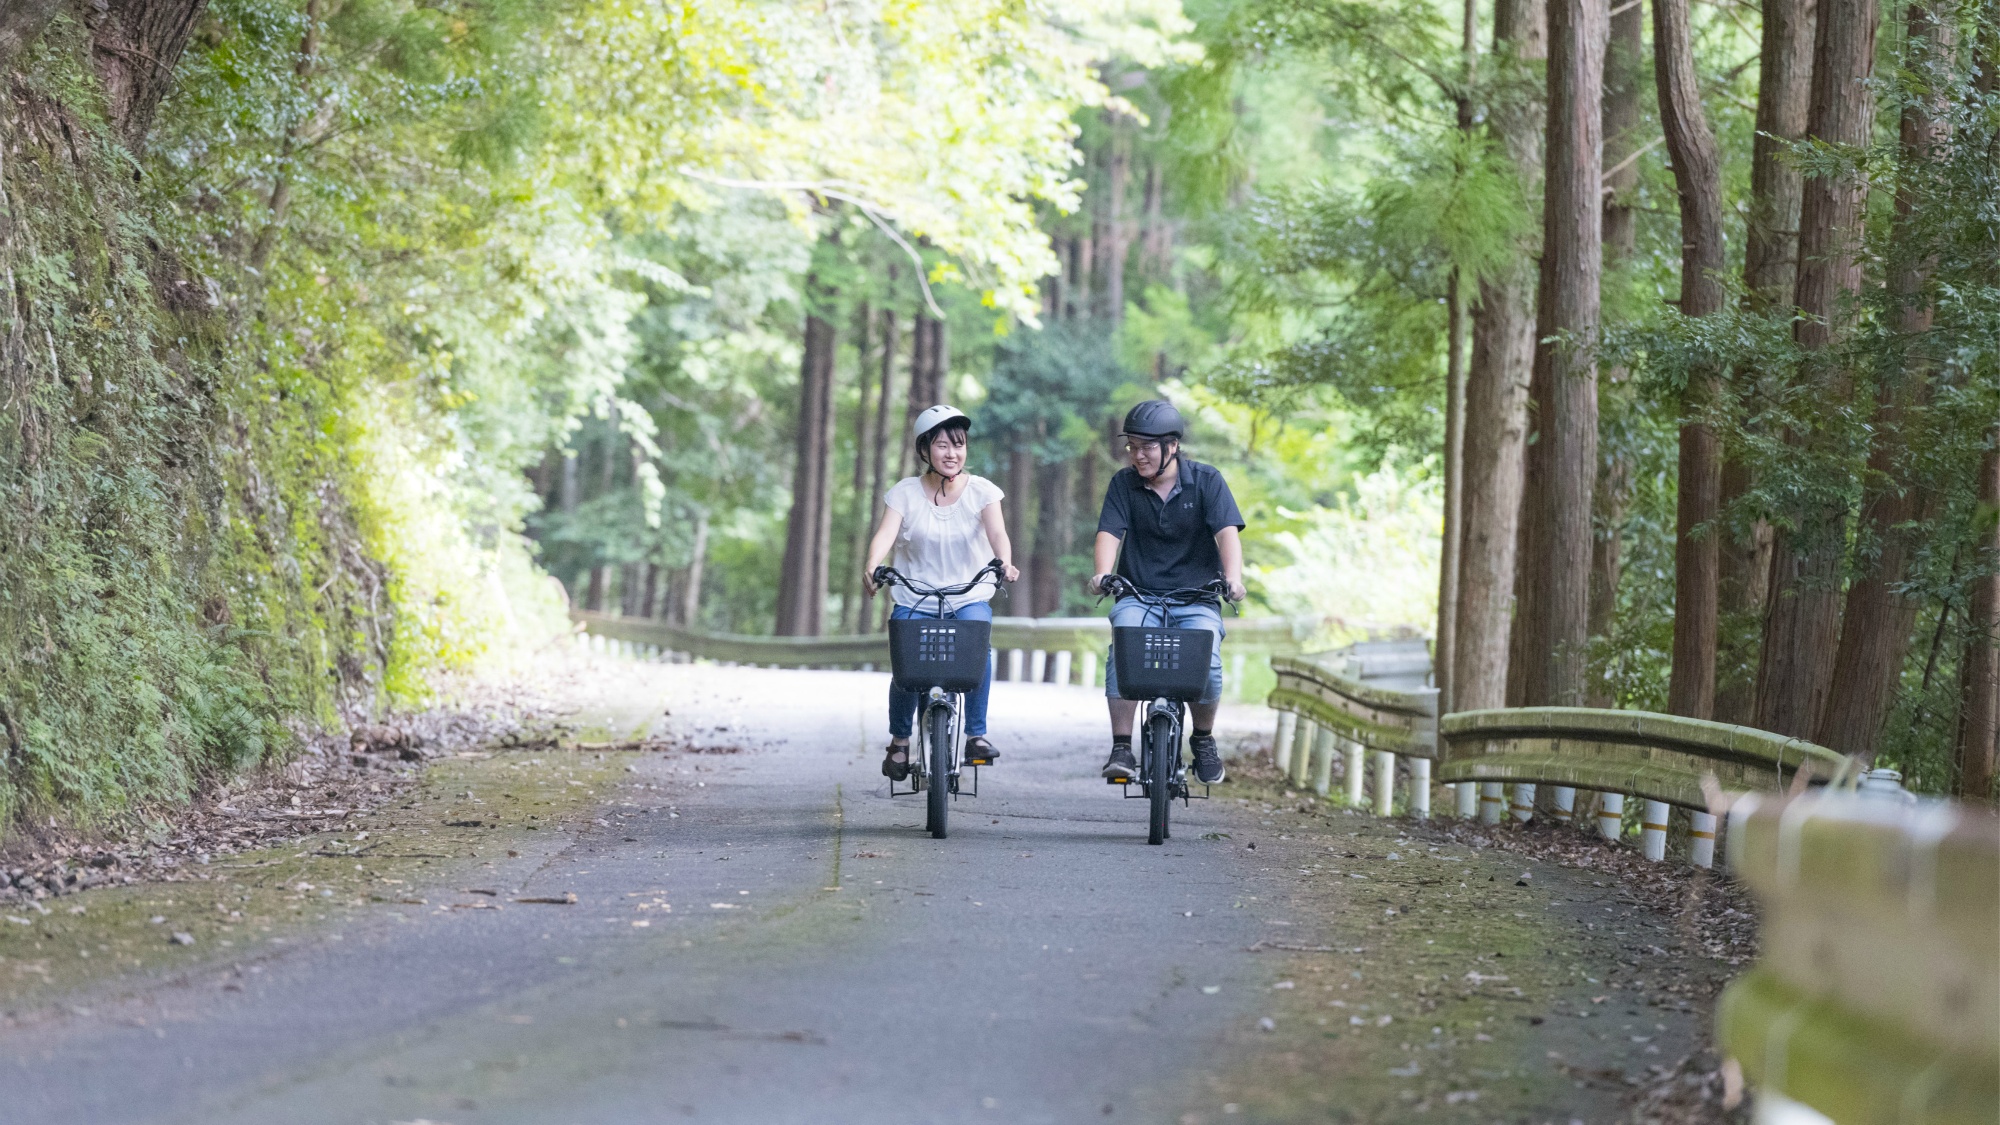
{"x": 937, "y": 729}
{"x": 1162, "y": 756}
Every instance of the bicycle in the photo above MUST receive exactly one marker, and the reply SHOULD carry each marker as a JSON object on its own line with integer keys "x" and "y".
{"x": 940, "y": 659}
{"x": 1166, "y": 669}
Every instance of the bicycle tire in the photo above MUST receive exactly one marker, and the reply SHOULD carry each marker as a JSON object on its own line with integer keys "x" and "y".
{"x": 1162, "y": 750}
{"x": 937, "y": 723}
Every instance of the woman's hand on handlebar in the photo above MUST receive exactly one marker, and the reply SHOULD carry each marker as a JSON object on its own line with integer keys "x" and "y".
{"x": 873, "y": 580}
{"x": 1008, "y": 571}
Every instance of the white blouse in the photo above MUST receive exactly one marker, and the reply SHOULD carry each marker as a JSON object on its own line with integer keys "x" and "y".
{"x": 942, "y": 544}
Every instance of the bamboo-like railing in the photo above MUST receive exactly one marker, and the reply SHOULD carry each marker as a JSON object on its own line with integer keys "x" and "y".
{"x": 1877, "y": 999}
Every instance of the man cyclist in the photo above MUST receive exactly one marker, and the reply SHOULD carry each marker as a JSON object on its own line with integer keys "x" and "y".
{"x": 1168, "y": 523}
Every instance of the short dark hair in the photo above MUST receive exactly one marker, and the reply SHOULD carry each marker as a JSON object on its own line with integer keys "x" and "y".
{"x": 950, "y": 425}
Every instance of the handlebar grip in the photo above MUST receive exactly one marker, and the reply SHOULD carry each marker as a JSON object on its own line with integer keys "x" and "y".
{"x": 882, "y": 575}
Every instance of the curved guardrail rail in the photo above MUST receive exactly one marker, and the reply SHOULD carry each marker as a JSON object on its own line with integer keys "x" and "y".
{"x": 1662, "y": 759}
{"x": 1877, "y": 1000}
{"x": 1367, "y": 698}
{"x": 1371, "y": 699}
{"x": 1038, "y": 649}
{"x": 1641, "y": 753}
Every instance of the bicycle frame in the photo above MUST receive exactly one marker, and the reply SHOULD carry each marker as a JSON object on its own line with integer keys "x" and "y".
{"x": 920, "y": 762}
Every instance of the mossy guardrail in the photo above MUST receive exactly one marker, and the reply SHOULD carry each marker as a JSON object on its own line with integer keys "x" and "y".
{"x": 1877, "y": 999}
{"x": 1372, "y": 699}
{"x": 1037, "y": 649}
{"x": 1368, "y": 698}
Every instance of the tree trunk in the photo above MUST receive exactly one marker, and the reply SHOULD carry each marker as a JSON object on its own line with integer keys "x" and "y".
{"x": 690, "y": 608}
{"x": 1444, "y": 660}
{"x": 1979, "y": 671}
{"x": 1081, "y": 294}
{"x": 1801, "y": 631}
{"x": 879, "y": 439}
{"x": 136, "y": 44}
{"x": 1556, "y": 619}
{"x": 1770, "y": 268}
{"x": 593, "y": 597}
{"x": 1449, "y": 564}
{"x": 1496, "y": 386}
{"x": 1114, "y": 215}
{"x": 1021, "y": 512}
{"x": 854, "y": 597}
{"x": 1610, "y": 501}
{"x": 1875, "y": 630}
{"x": 1153, "y": 258}
{"x": 1054, "y": 520}
{"x": 1698, "y": 184}
{"x": 1784, "y": 92}
{"x": 649, "y": 596}
{"x": 1624, "y": 76}
{"x": 802, "y": 581}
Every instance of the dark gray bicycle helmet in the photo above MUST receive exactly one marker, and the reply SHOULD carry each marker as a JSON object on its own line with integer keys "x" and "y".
{"x": 1155, "y": 418}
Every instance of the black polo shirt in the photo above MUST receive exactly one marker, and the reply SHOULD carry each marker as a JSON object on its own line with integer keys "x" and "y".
{"x": 1169, "y": 544}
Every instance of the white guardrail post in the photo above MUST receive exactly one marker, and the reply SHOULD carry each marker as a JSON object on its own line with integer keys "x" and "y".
{"x": 1302, "y": 747}
{"x": 1524, "y": 801}
{"x": 1468, "y": 799}
{"x": 1357, "y": 774}
{"x": 1323, "y": 762}
{"x": 1653, "y": 830}
{"x": 1611, "y": 815}
{"x": 1385, "y": 783}
{"x": 1281, "y": 742}
{"x": 1420, "y": 788}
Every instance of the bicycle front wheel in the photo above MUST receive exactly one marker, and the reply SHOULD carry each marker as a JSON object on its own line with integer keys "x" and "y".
{"x": 1163, "y": 753}
{"x": 937, "y": 728}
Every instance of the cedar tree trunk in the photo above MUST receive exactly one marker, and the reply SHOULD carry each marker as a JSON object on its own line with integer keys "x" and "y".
{"x": 1496, "y": 386}
{"x": 1698, "y": 184}
{"x": 1875, "y": 628}
{"x": 1801, "y": 631}
{"x": 802, "y": 581}
{"x": 1557, "y": 507}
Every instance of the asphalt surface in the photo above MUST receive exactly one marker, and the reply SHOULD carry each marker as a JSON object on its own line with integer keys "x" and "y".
{"x": 767, "y": 939}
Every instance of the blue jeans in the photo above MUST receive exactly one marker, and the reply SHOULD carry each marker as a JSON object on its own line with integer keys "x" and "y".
{"x": 903, "y": 704}
{"x": 1131, "y": 611}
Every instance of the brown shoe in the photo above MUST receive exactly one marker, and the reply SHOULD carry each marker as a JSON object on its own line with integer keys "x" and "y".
{"x": 896, "y": 762}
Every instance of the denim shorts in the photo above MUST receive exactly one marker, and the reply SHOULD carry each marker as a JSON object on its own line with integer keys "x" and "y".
{"x": 1130, "y": 611}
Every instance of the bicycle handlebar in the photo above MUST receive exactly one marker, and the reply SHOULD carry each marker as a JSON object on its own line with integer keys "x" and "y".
{"x": 1118, "y": 586}
{"x": 890, "y": 576}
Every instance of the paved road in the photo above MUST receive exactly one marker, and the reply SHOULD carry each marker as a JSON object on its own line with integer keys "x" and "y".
{"x": 822, "y": 961}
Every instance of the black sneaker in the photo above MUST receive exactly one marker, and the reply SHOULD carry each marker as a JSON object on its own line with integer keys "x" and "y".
{"x": 979, "y": 752}
{"x": 1121, "y": 766}
{"x": 1207, "y": 759}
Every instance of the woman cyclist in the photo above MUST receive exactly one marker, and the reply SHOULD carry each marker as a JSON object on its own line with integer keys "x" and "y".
{"x": 944, "y": 527}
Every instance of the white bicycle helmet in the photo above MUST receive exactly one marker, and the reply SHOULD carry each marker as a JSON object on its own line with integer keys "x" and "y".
{"x": 934, "y": 417}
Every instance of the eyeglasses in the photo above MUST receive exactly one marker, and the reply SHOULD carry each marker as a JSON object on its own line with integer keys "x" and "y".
{"x": 1137, "y": 447}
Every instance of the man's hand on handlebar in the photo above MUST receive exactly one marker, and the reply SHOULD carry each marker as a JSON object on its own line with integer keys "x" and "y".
{"x": 1237, "y": 592}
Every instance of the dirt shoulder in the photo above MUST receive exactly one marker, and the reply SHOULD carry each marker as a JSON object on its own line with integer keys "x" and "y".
{"x": 1443, "y": 972}
{"x": 344, "y": 836}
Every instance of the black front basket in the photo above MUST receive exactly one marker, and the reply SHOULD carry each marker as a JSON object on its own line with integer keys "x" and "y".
{"x": 928, "y": 652}
{"x": 1161, "y": 663}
